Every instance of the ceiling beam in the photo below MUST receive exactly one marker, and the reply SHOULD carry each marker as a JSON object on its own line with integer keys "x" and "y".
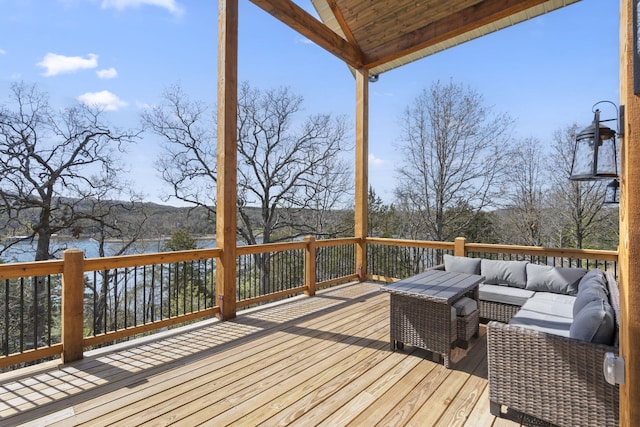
{"x": 337, "y": 13}
{"x": 298, "y": 19}
{"x": 466, "y": 20}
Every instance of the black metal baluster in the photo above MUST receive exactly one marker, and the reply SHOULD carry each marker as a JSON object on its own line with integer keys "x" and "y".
{"x": 34, "y": 304}
{"x": 144, "y": 295}
{"x": 115, "y": 299}
{"x": 162, "y": 293}
{"x": 7, "y": 305}
{"x": 21, "y": 314}
{"x": 126, "y": 307}
{"x": 135, "y": 295}
{"x": 152, "y": 310}
{"x": 49, "y": 314}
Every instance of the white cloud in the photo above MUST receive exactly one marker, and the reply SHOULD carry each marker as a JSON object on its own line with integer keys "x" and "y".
{"x": 104, "y": 100}
{"x": 374, "y": 161}
{"x": 109, "y": 73}
{"x": 2, "y": 51}
{"x": 57, "y": 64}
{"x": 171, "y": 5}
{"x": 304, "y": 40}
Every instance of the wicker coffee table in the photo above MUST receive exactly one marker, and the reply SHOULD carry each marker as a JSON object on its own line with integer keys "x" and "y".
{"x": 420, "y": 312}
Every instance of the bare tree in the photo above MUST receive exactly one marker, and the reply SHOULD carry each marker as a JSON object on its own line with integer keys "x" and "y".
{"x": 188, "y": 164}
{"x": 287, "y": 169}
{"x": 579, "y": 204}
{"x": 46, "y": 163}
{"x": 47, "y": 159}
{"x": 454, "y": 157}
{"x": 284, "y": 170}
{"x": 525, "y": 194}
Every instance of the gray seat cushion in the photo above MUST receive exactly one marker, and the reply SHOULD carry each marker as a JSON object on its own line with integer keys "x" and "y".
{"x": 542, "y": 322}
{"x": 465, "y": 306}
{"x": 510, "y": 273}
{"x": 461, "y": 264}
{"x": 545, "y": 278}
{"x": 550, "y": 303}
{"x": 504, "y": 294}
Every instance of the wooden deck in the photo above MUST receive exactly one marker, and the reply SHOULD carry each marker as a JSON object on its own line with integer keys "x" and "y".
{"x": 323, "y": 360}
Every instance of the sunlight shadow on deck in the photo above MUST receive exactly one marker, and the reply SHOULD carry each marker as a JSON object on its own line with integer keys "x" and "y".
{"x": 341, "y": 329}
{"x": 106, "y": 369}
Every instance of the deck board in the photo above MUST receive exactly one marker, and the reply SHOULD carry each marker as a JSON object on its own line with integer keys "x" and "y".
{"x": 323, "y": 360}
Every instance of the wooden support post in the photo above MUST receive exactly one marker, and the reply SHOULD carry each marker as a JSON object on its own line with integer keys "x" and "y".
{"x": 629, "y": 249}
{"x": 459, "y": 248}
{"x": 227, "y": 156}
{"x": 72, "y": 305}
{"x": 362, "y": 170}
{"x": 310, "y": 266}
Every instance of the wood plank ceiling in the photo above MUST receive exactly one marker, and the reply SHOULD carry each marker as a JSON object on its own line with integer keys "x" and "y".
{"x": 380, "y": 35}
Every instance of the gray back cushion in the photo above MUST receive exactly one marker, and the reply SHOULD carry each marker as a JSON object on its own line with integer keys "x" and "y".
{"x": 594, "y": 323}
{"x": 510, "y": 273}
{"x": 461, "y": 264}
{"x": 545, "y": 278}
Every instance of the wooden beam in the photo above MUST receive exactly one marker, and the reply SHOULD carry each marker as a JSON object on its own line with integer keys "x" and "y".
{"x": 629, "y": 274}
{"x": 471, "y": 18}
{"x": 299, "y": 20}
{"x": 337, "y": 13}
{"x": 362, "y": 170}
{"x": 227, "y": 158}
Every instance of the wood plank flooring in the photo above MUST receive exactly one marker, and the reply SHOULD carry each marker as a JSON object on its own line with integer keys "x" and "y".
{"x": 324, "y": 360}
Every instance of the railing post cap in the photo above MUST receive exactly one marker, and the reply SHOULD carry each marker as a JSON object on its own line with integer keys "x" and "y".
{"x": 73, "y": 251}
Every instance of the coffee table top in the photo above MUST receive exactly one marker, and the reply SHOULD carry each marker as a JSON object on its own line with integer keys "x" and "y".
{"x": 436, "y": 285}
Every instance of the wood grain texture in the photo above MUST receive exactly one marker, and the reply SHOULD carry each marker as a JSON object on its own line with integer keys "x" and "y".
{"x": 227, "y": 174}
{"x": 629, "y": 276}
{"x": 311, "y": 361}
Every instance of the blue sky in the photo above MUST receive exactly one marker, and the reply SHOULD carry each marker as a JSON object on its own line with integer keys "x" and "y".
{"x": 546, "y": 72}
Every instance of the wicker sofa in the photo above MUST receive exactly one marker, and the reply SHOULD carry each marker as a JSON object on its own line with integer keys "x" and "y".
{"x": 546, "y": 347}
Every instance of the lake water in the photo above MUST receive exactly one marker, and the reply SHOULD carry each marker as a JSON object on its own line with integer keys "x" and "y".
{"x": 25, "y": 251}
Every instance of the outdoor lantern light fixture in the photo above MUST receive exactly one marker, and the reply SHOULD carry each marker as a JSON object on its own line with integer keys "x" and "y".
{"x": 595, "y": 154}
{"x": 612, "y": 193}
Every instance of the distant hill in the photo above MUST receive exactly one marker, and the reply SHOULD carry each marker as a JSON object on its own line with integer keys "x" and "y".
{"x": 162, "y": 220}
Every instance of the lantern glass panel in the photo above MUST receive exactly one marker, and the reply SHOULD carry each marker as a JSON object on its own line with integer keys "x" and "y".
{"x": 607, "y": 163}
{"x": 583, "y": 158}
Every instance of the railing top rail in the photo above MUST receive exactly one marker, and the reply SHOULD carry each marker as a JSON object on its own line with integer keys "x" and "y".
{"x": 30, "y": 269}
{"x": 336, "y": 242}
{"x": 412, "y": 243}
{"x": 124, "y": 261}
{"x": 269, "y": 247}
{"x": 542, "y": 251}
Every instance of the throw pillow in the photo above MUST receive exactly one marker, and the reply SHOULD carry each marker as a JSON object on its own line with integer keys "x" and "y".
{"x": 461, "y": 264}
{"x": 510, "y": 273}
{"x": 560, "y": 280}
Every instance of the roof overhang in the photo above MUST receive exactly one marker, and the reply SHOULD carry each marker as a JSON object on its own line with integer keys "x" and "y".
{"x": 380, "y": 35}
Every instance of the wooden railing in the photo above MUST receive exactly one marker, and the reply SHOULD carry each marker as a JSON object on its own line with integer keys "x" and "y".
{"x": 92, "y": 302}
{"x": 62, "y": 307}
{"x": 408, "y": 257}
